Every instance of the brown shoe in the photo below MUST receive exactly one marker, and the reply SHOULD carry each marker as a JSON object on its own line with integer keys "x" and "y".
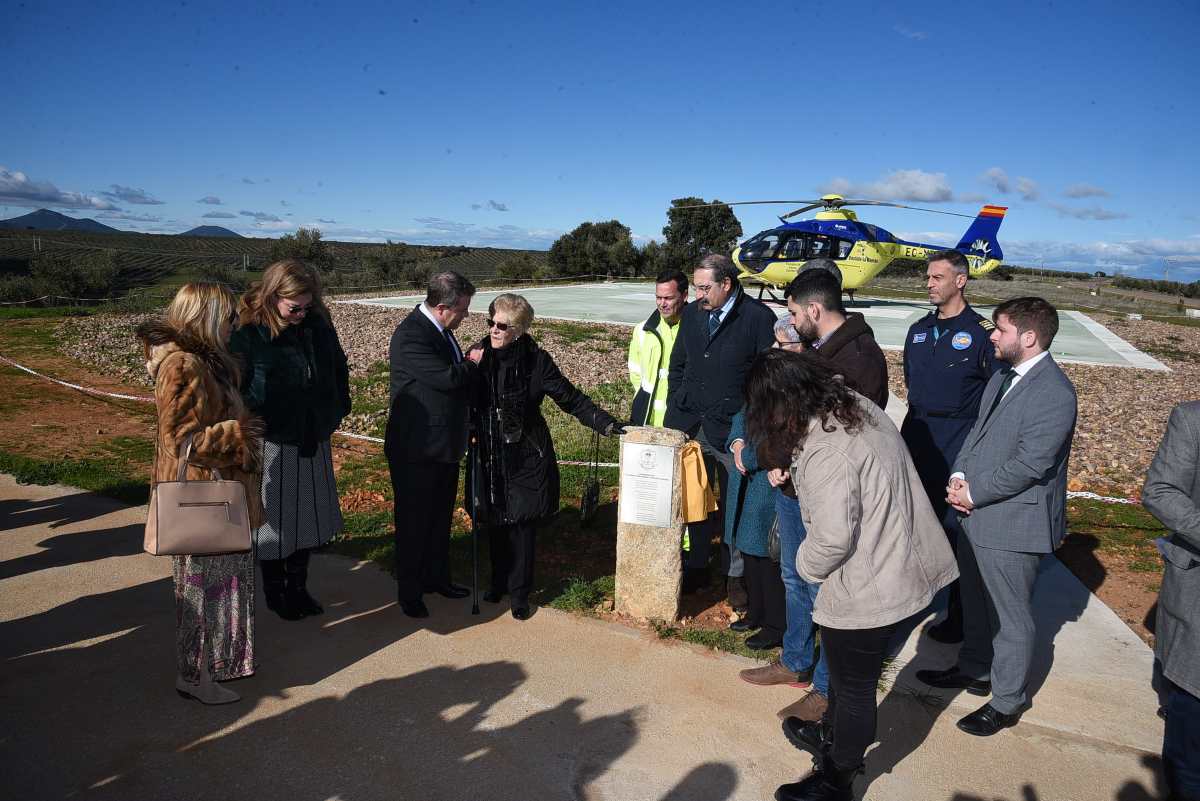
{"x": 810, "y": 708}
{"x": 773, "y": 673}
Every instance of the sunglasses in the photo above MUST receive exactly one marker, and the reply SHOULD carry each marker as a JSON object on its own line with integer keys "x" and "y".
{"x": 498, "y": 326}
{"x": 294, "y": 309}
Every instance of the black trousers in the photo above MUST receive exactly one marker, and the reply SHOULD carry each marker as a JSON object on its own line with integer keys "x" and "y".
{"x": 424, "y": 506}
{"x": 512, "y": 560}
{"x": 768, "y": 602}
{"x": 855, "y": 659}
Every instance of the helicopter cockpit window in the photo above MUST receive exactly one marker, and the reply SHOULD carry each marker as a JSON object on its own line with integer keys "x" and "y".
{"x": 843, "y": 249}
{"x": 818, "y": 247}
{"x": 793, "y": 249}
{"x": 764, "y": 246}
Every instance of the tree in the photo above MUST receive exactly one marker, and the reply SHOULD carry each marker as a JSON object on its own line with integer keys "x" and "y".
{"x": 517, "y": 267}
{"x": 595, "y": 249}
{"x": 691, "y": 234}
{"x": 305, "y": 245}
{"x": 654, "y": 259}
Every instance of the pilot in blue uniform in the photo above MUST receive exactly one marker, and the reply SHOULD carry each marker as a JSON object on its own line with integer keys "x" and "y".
{"x": 948, "y": 360}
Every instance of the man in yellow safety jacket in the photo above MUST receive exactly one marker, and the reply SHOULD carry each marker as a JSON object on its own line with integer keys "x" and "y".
{"x": 650, "y": 349}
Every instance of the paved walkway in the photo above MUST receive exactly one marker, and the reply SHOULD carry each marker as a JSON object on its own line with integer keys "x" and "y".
{"x": 362, "y": 703}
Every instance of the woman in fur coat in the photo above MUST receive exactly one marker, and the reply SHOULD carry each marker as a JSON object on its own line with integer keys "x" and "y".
{"x": 196, "y": 392}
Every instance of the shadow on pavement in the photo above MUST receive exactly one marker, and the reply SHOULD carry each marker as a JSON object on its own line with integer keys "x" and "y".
{"x": 82, "y": 546}
{"x": 1131, "y": 791}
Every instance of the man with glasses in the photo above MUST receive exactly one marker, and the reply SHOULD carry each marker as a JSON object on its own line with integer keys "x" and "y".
{"x": 719, "y": 336}
{"x": 431, "y": 381}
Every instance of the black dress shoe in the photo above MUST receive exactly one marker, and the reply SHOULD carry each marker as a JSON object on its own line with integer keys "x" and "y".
{"x": 521, "y": 612}
{"x": 804, "y": 734}
{"x": 764, "y": 641}
{"x": 493, "y": 596}
{"x": 415, "y": 608}
{"x": 827, "y": 782}
{"x": 742, "y": 624}
{"x": 448, "y": 590}
{"x": 987, "y": 720}
{"x": 951, "y": 679}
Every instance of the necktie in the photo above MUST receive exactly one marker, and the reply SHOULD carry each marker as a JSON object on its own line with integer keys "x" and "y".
{"x": 714, "y": 320}
{"x": 456, "y": 354}
{"x": 1009, "y": 375}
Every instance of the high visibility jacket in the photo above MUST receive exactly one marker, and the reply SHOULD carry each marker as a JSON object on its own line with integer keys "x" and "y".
{"x": 649, "y": 363}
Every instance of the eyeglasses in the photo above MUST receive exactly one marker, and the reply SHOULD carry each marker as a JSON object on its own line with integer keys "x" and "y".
{"x": 498, "y": 326}
{"x": 294, "y": 309}
{"x": 703, "y": 288}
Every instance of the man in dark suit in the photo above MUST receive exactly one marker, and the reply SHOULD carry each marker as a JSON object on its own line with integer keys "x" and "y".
{"x": 719, "y": 336}
{"x": 1172, "y": 494}
{"x": 1009, "y": 484}
{"x": 427, "y": 436}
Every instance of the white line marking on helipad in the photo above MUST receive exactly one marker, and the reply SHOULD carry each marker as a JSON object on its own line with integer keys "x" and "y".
{"x": 1119, "y": 346}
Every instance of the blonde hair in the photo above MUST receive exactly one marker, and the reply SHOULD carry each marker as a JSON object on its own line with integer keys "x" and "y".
{"x": 198, "y": 311}
{"x": 519, "y": 312}
{"x": 285, "y": 279}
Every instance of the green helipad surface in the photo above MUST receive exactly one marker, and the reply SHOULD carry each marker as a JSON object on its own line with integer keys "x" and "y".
{"x": 1080, "y": 338}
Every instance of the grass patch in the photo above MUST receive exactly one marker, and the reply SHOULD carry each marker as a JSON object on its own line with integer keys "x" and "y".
{"x": 1119, "y": 529}
{"x": 716, "y": 639}
{"x": 580, "y": 595}
{"x": 575, "y": 333}
{"x": 36, "y": 312}
{"x": 108, "y": 477}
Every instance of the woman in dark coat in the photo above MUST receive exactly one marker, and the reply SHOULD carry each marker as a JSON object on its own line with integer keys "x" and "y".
{"x": 296, "y": 378}
{"x": 517, "y": 484}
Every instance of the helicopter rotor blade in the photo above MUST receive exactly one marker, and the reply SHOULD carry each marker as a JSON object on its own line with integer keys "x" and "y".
{"x": 745, "y": 203}
{"x": 902, "y": 206}
{"x": 801, "y": 210}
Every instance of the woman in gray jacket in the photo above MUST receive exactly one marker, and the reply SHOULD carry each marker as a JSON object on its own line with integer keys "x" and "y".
{"x": 874, "y": 545}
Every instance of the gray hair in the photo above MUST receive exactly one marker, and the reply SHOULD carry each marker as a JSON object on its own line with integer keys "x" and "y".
{"x": 784, "y": 326}
{"x": 828, "y": 265}
{"x": 958, "y": 262}
{"x": 518, "y": 309}
{"x": 446, "y": 289}
{"x": 722, "y": 267}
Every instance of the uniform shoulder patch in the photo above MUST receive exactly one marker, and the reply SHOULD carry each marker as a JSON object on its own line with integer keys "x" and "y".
{"x": 986, "y": 324}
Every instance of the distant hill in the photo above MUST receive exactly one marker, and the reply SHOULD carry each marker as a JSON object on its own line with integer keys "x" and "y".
{"x": 46, "y": 220}
{"x": 211, "y": 230}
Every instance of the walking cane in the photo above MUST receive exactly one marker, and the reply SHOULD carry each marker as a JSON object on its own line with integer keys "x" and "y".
{"x": 474, "y": 465}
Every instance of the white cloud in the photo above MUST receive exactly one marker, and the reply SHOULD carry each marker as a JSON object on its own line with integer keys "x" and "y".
{"x": 1027, "y": 188}
{"x": 941, "y": 238}
{"x": 211, "y": 200}
{"x": 17, "y": 189}
{"x": 910, "y": 185}
{"x": 997, "y": 178}
{"x": 1132, "y": 255}
{"x": 130, "y": 195}
{"x": 1088, "y": 213}
{"x": 909, "y": 33}
{"x": 219, "y": 215}
{"x": 1084, "y": 190}
{"x": 260, "y": 216}
{"x": 497, "y": 206}
{"x": 125, "y": 215}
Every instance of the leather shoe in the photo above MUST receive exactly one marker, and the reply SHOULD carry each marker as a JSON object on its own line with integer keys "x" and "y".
{"x": 742, "y": 624}
{"x": 415, "y": 608}
{"x": 987, "y": 720}
{"x": 806, "y": 735}
{"x": 449, "y": 590}
{"x": 521, "y": 612}
{"x": 763, "y": 641}
{"x": 493, "y": 596}
{"x": 952, "y": 679}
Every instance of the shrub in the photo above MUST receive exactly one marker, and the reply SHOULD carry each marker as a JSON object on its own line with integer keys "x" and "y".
{"x": 520, "y": 267}
{"x": 86, "y": 277}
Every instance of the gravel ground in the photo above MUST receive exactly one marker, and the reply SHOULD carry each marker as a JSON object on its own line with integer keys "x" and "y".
{"x": 1122, "y": 411}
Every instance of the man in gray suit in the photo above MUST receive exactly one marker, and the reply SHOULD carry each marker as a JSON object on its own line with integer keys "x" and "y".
{"x": 1172, "y": 494}
{"x": 1009, "y": 485}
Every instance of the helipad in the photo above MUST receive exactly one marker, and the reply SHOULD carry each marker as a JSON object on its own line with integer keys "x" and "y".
{"x": 1080, "y": 338}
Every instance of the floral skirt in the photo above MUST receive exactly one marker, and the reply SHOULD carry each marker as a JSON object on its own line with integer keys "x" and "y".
{"x": 214, "y": 615}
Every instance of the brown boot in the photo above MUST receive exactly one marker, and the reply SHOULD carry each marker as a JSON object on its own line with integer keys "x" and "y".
{"x": 775, "y": 673}
{"x": 810, "y": 708}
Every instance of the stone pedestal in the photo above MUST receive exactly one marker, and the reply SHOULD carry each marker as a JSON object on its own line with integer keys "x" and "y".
{"x": 649, "y": 523}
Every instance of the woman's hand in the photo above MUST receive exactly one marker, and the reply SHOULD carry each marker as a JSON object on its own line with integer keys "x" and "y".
{"x": 736, "y": 449}
{"x": 777, "y": 477}
{"x": 475, "y": 355}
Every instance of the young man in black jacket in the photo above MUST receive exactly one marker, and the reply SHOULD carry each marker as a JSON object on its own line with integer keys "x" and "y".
{"x": 720, "y": 334}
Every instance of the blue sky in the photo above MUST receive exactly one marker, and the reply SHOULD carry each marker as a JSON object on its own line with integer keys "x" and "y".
{"x": 507, "y": 124}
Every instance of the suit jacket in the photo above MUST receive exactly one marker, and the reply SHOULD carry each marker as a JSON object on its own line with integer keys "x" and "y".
{"x": 1015, "y": 462}
{"x": 1172, "y": 494}
{"x": 704, "y": 385}
{"x": 430, "y": 395}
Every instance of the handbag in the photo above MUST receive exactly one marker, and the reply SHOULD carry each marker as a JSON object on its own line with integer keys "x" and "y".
{"x": 197, "y": 518}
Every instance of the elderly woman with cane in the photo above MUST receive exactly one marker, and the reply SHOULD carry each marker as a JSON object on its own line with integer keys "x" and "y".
{"x": 873, "y": 544}
{"x": 518, "y": 480}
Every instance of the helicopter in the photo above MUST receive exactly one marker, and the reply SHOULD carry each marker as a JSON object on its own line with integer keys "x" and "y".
{"x": 861, "y": 250}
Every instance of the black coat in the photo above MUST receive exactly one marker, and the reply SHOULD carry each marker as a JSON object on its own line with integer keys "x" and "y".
{"x": 298, "y": 382}
{"x": 518, "y": 479}
{"x": 707, "y": 375}
{"x": 430, "y": 395}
